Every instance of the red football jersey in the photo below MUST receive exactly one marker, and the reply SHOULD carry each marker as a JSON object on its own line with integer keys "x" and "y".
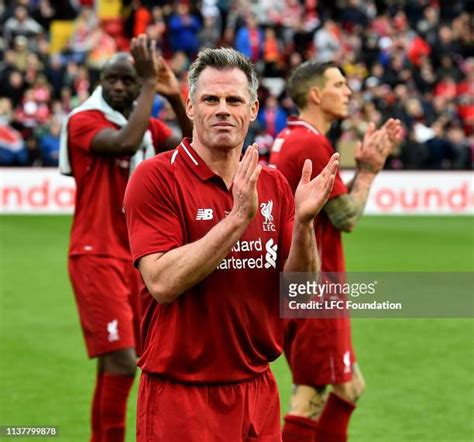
{"x": 99, "y": 223}
{"x": 293, "y": 145}
{"x": 227, "y": 327}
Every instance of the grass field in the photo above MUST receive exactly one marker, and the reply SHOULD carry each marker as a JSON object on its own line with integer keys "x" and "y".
{"x": 419, "y": 372}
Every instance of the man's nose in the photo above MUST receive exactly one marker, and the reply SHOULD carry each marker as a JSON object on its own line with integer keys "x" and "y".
{"x": 222, "y": 107}
{"x": 119, "y": 85}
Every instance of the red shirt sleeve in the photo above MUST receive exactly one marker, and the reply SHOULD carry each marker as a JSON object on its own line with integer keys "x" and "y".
{"x": 160, "y": 132}
{"x": 84, "y": 126}
{"x": 153, "y": 216}
{"x": 320, "y": 156}
{"x": 81, "y": 129}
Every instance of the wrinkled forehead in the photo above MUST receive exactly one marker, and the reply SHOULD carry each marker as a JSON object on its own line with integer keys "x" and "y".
{"x": 229, "y": 81}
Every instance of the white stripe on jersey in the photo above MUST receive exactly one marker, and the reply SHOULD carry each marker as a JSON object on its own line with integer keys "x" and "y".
{"x": 189, "y": 154}
{"x": 305, "y": 124}
{"x": 173, "y": 157}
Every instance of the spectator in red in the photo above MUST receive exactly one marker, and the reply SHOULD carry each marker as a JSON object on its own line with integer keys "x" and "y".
{"x": 141, "y": 18}
{"x": 446, "y": 88}
{"x": 417, "y": 49}
{"x": 273, "y": 51}
{"x": 31, "y": 113}
{"x": 81, "y": 82}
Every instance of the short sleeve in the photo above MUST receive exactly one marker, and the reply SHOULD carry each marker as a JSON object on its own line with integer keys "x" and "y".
{"x": 153, "y": 217}
{"x": 160, "y": 132}
{"x": 84, "y": 126}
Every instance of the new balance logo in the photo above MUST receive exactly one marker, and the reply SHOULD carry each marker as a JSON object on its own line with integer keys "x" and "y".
{"x": 204, "y": 214}
{"x": 271, "y": 254}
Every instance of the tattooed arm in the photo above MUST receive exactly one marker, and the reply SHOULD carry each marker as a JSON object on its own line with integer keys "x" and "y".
{"x": 345, "y": 210}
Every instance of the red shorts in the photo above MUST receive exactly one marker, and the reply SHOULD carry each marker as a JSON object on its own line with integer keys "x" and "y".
{"x": 176, "y": 412}
{"x": 319, "y": 350}
{"x": 106, "y": 292}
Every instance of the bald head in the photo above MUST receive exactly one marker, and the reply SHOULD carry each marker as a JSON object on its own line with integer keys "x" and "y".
{"x": 120, "y": 58}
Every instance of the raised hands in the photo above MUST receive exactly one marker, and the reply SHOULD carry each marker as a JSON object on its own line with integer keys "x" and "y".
{"x": 244, "y": 185}
{"x": 166, "y": 82}
{"x": 394, "y": 131}
{"x": 151, "y": 66}
{"x": 371, "y": 153}
{"x": 312, "y": 194}
{"x": 145, "y": 57}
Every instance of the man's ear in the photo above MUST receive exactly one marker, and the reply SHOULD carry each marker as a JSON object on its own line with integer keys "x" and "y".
{"x": 314, "y": 95}
{"x": 254, "y": 110}
{"x": 189, "y": 108}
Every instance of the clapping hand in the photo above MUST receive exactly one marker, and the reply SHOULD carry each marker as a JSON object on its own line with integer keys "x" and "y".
{"x": 394, "y": 130}
{"x": 166, "y": 82}
{"x": 244, "y": 185}
{"x": 311, "y": 194}
{"x": 377, "y": 144}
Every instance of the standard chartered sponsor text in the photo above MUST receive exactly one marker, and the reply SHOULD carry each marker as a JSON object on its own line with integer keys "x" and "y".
{"x": 266, "y": 260}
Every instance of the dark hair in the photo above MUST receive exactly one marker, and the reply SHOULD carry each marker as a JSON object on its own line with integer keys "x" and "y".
{"x": 223, "y": 58}
{"x": 304, "y": 77}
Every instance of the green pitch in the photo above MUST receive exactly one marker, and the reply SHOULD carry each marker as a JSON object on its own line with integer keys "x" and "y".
{"x": 419, "y": 372}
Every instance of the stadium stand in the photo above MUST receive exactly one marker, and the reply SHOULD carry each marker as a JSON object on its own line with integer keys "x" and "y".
{"x": 408, "y": 59}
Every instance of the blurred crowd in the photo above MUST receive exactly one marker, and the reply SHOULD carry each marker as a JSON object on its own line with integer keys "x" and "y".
{"x": 411, "y": 59}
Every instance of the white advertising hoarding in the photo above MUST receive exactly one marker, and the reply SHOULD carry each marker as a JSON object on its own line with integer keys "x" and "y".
{"x": 420, "y": 193}
{"x": 36, "y": 191}
{"x": 45, "y": 191}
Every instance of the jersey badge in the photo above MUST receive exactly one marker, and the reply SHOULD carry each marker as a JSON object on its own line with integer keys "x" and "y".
{"x": 266, "y": 211}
